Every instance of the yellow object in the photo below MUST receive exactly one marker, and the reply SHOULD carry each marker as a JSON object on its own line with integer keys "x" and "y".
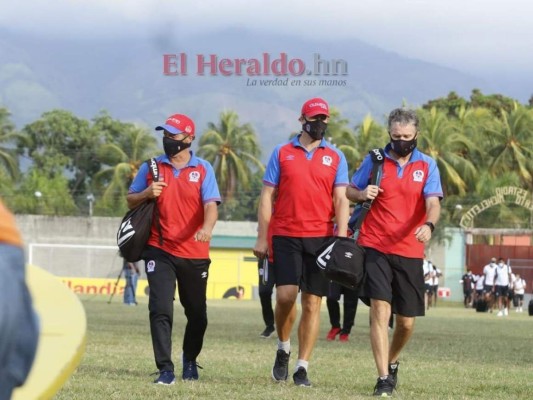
{"x": 62, "y": 336}
{"x": 232, "y": 274}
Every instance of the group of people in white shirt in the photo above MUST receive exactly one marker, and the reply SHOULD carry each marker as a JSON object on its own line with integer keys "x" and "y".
{"x": 431, "y": 282}
{"x": 498, "y": 287}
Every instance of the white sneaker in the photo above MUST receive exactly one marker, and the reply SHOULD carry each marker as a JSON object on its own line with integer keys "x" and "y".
{"x": 505, "y": 311}
{"x": 500, "y": 314}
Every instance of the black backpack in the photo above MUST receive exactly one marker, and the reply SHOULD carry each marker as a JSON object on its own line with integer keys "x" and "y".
{"x": 134, "y": 229}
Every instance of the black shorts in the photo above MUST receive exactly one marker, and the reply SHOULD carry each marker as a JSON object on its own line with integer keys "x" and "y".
{"x": 295, "y": 263}
{"x": 428, "y": 288}
{"x": 398, "y": 280}
{"x": 434, "y": 289}
{"x": 501, "y": 290}
{"x": 488, "y": 288}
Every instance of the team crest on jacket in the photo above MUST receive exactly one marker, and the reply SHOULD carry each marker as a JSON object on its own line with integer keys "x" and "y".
{"x": 418, "y": 176}
{"x": 194, "y": 176}
{"x": 150, "y": 266}
{"x": 327, "y": 160}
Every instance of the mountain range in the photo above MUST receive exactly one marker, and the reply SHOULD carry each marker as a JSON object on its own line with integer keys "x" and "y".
{"x": 127, "y": 78}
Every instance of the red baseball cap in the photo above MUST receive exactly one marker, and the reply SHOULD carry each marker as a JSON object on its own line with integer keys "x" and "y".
{"x": 314, "y": 107}
{"x": 178, "y": 123}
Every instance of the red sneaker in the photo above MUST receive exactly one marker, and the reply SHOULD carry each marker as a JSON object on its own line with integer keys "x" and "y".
{"x": 344, "y": 337}
{"x": 332, "y": 333}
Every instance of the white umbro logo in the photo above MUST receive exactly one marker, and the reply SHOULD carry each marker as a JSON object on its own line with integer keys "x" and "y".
{"x": 348, "y": 254}
{"x": 204, "y": 275}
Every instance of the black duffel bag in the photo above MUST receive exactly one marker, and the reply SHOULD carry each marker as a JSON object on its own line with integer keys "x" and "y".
{"x": 134, "y": 231}
{"x": 135, "y": 227}
{"x": 342, "y": 261}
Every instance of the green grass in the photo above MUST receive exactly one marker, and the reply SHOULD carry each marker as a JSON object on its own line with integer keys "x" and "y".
{"x": 453, "y": 354}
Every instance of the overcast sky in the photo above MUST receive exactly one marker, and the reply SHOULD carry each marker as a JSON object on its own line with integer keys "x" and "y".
{"x": 482, "y": 36}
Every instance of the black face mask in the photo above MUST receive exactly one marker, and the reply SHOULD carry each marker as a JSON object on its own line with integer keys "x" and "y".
{"x": 173, "y": 147}
{"x": 316, "y": 129}
{"x": 403, "y": 147}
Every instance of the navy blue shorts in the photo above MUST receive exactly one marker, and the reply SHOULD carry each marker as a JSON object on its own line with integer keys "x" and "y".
{"x": 501, "y": 291}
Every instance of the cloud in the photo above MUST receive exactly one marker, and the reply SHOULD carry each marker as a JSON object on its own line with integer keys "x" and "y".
{"x": 468, "y": 35}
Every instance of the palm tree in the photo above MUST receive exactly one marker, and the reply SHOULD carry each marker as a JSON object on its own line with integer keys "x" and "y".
{"x": 234, "y": 152}
{"x": 123, "y": 156}
{"x": 442, "y": 140}
{"x": 340, "y": 134}
{"x": 8, "y": 157}
{"x": 370, "y": 135}
{"x": 512, "y": 143}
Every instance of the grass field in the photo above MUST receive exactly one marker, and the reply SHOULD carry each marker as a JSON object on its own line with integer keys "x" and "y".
{"x": 454, "y": 354}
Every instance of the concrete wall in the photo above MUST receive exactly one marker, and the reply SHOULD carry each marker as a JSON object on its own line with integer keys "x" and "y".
{"x": 86, "y": 247}
{"x": 99, "y": 258}
{"x": 455, "y": 258}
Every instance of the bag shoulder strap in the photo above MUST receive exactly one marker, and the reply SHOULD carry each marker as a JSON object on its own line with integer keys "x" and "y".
{"x": 154, "y": 171}
{"x": 154, "y": 168}
{"x": 378, "y": 158}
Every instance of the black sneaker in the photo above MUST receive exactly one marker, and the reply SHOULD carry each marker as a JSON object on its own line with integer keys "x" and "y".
{"x": 269, "y": 330}
{"x": 190, "y": 370}
{"x": 384, "y": 387}
{"x": 300, "y": 378}
{"x": 393, "y": 372}
{"x": 280, "y": 371}
{"x": 166, "y": 378}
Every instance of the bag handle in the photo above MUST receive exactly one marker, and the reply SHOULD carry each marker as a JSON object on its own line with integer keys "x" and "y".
{"x": 154, "y": 171}
{"x": 378, "y": 158}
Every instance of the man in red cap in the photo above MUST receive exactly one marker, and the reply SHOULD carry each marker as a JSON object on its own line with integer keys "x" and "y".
{"x": 187, "y": 196}
{"x": 309, "y": 177}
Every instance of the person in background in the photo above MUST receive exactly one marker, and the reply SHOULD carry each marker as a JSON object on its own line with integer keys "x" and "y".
{"x": 187, "y": 197}
{"x": 309, "y": 177}
{"x": 405, "y": 210}
{"x": 502, "y": 281}
{"x": 435, "y": 274}
{"x": 131, "y": 275}
{"x": 489, "y": 273}
{"x": 350, "y": 299}
{"x": 19, "y": 330}
{"x": 266, "y": 288}
{"x": 350, "y": 302}
{"x": 510, "y": 293}
{"x": 519, "y": 285}
{"x": 479, "y": 290}
{"x": 468, "y": 287}
{"x": 428, "y": 282}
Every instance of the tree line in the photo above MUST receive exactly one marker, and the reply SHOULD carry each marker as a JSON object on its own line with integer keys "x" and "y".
{"x": 61, "y": 164}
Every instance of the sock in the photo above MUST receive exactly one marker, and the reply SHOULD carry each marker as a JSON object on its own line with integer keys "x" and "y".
{"x": 301, "y": 363}
{"x": 285, "y": 346}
